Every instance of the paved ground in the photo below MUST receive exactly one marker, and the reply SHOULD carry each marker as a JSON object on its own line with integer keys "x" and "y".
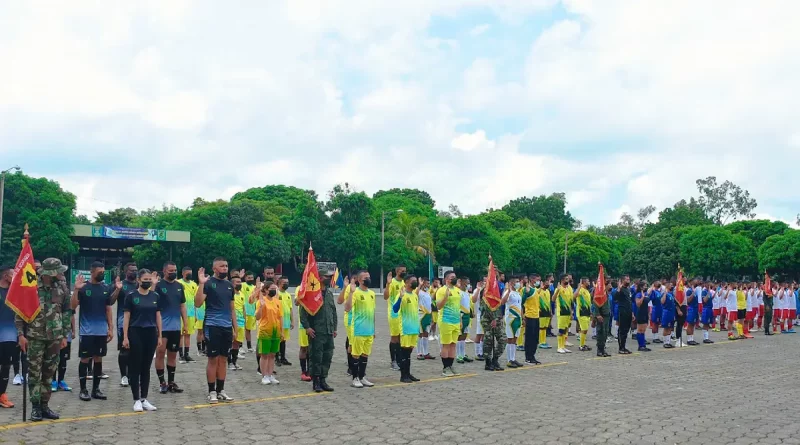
{"x": 571, "y": 399}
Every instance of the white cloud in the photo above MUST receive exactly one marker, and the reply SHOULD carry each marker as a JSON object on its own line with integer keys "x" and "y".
{"x": 480, "y": 29}
{"x": 472, "y": 141}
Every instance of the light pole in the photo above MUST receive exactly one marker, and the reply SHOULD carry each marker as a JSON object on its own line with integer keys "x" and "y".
{"x": 2, "y": 195}
{"x": 383, "y": 244}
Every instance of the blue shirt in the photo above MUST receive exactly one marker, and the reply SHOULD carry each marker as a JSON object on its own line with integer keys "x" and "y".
{"x": 93, "y": 300}
{"x": 143, "y": 309}
{"x": 669, "y": 302}
{"x": 693, "y": 302}
{"x": 127, "y": 287}
{"x": 655, "y": 298}
{"x": 219, "y": 295}
{"x": 8, "y": 331}
{"x": 172, "y": 298}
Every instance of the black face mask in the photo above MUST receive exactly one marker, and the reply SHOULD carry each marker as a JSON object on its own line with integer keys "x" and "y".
{"x": 99, "y": 277}
{"x": 187, "y": 277}
{"x": 326, "y": 282}
{"x": 172, "y": 276}
{"x": 401, "y": 275}
{"x": 238, "y": 287}
{"x": 414, "y": 285}
{"x": 146, "y": 284}
{"x": 453, "y": 281}
{"x": 272, "y": 292}
{"x": 222, "y": 275}
{"x": 366, "y": 282}
{"x": 284, "y": 286}
{"x": 251, "y": 282}
{"x": 130, "y": 276}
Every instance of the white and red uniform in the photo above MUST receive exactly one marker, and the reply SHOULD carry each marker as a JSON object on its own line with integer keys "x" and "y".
{"x": 791, "y": 306}
{"x": 750, "y": 297}
{"x": 723, "y": 303}
{"x": 732, "y": 307}
{"x": 778, "y": 304}
{"x": 715, "y": 301}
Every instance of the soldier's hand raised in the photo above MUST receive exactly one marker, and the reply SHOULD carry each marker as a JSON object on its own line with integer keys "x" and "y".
{"x": 80, "y": 282}
{"x": 202, "y": 278}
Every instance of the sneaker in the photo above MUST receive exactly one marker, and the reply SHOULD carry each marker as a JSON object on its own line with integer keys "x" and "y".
{"x": 224, "y": 397}
{"x": 241, "y": 354}
{"x": 137, "y": 406}
{"x": 468, "y": 340}
{"x": 445, "y": 372}
{"x": 305, "y": 377}
{"x": 658, "y": 340}
{"x": 356, "y": 383}
{"x": 273, "y": 380}
{"x": 53, "y": 386}
{"x": 367, "y": 383}
{"x": 561, "y": 351}
{"x": 567, "y": 351}
{"x": 18, "y": 380}
{"x": 62, "y": 385}
{"x": 707, "y": 341}
{"x": 84, "y": 395}
{"x": 123, "y": 382}
{"x": 231, "y": 367}
{"x": 568, "y": 344}
{"x": 104, "y": 377}
{"x": 545, "y": 346}
{"x": 163, "y": 388}
{"x": 420, "y": 357}
{"x": 236, "y": 367}
{"x": 511, "y": 365}
{"x": 480, "y": 357}
{"x": 453, "y": 373}
{"x": 148, "y": 406}
{"x": 4, "y": 402}
{"x": 251, "y": 350}
{"x": 644, "y": 349}
{"x": 174, "y": 388}
{"x": 188, "y": 359}
{"x": 520, "y": 348}
{"x": 429, "y": 357}
{"x": 467, "y": 359}
{"x": 395, "y": 366}
{"x": 265, "y": 380}
{"x": 460, "y": 360}
{"x": 182, "y": 361}
{"x": 791, "y": 331}
{"x": 668, "y": 346}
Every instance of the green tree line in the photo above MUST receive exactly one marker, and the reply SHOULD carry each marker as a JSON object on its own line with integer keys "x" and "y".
{"x": 710, "y": 235}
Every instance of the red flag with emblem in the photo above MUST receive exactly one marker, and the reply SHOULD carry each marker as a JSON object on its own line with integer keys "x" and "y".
{"x": 600, "y": 295}
{"x": 23, "y": 294}
{"x": 767, "y": 284}
{"x": 309, "y": 294}
{"x": 680, "y": 288}
{"x": 491, "y": 295}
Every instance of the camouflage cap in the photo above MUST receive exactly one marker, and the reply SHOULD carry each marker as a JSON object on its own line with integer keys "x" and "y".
{"x": 326, "y": 269}
{"x": 52, "y": 267}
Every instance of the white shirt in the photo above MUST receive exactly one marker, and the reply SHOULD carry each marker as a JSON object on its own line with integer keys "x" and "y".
{"x": 760, "y": 297}
{"x": 732, "y": 306}
{"x": 514, "y": 301}
{"x": 715, "y": 300}
{"x": 790, "y": 300}
{"x": 424, "y": 302}
{"x": 749, "y": 294}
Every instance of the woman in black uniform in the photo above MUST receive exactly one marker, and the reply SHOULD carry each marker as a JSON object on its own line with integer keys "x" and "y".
{"x": 642, "y": 313}
{"x": 141, "y": 335}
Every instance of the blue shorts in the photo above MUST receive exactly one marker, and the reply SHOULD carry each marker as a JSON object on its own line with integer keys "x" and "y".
{"x": 691, "y": 315}
{"x": 616, "y": 312}
{"x": 655, "y": 314}
{"x": 708, "y": 315}
{"x": 667, "y": 318}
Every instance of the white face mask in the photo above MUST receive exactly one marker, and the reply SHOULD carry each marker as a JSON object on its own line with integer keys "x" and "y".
{"x": 517, "y": 285}
{"x": 537, "y": 284}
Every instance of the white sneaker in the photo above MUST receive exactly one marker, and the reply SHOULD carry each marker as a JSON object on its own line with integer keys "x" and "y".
{"x": 568, "y": 344}
{"x": 212, "y": 397}
{"x": 148, "y": 406}
{"x": 231, "y": 367}
{"x": 123, "y": 382}
{"x": 182, "y": 361}
{"x": 265, "y": 380}
{"x": 104, "y": 377}
{"x": 17, "y": 380}
{"x": 567, "y": 351}
{"x": 224, "y": 397}
{"x": 453, "y": 372}
{"x": 445, "y": 372}
{"x": 357, "y": 383}
{"x": 561, "y": 351}
{"x": 367, "y": 383}
{"x": 241, "y": 353}
{"x": 251, "y": 350}
{"x": 237, "y": 367}
{"x": 137, "y": 406}
{"x": 273, "y": 380}
{"x": 468, "y": 340}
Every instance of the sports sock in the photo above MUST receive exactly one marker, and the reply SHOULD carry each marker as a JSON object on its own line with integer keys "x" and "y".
{"x": 304, "y": 365}
{"x": 160, "y": 374}
{"x": 640, "y": 339}
{"x": 97, "y": 372}
{"x": 82, "y": 372}
{"x": 705, "y": 334}
{"x": 583, "y": 339}
{"x": 424, "y": 345}
{"x": 542, "y": 336}
{"x": 392, "y": 352}
{"x": 170, "y": 374}
{"x": 220, "y": 385}
{"x": 250, "y": 344}
{"x": 479, "y": 348}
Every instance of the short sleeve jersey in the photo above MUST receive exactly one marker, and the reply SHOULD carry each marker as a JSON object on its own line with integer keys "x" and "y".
{"x": 584, "y": 303}
{"x": 94, "y": 298}
{"x": 219, "y": 294}
{"x": 424, "y": 302}
{"x": 451, "y": 312}
{"x": 271, "y": 318}
{"x": 564, "y": 301}
{"x": 189, "y": 291}
{"x": 363, "y": 312}
{"x": 143, "y": 308}
{"x": 172, "y": 297}
{"x": 286, "y": 301}
{"x": 409, "y": 313}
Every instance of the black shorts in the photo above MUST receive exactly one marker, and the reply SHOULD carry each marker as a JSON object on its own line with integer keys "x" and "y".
{"x": 8, "y": 352}
{"x": 92, "y": 346}
{"x": 741, "y": 314}
{"x": 218, "y": 341}
{"x": 65, "y": 352}
{"x": 173, "y": 340}
{"x": 119, "y": 339}
{"x": 642, "y": 317}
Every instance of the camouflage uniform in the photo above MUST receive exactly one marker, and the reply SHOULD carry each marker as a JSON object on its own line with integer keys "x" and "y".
{"x": 45, "y": 334}
{"x": 494, "y": 338}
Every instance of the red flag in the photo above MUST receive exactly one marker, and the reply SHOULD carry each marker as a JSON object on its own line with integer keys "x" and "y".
{"x": 767, "y": 284}
{"x": 23, "y": 295}
{"x": 491, "y": 295}
{"x": 600, "y": 295}
{"x": 680, "y": 289}
{"x": 309, "y": 294}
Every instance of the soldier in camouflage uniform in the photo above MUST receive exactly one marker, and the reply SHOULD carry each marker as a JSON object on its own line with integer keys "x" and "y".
{"x": 46, "y": 335}
{"x": 494, "y": 334}
{"x": 321, "y": 330}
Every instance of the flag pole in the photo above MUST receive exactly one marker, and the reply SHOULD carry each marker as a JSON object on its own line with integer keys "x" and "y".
{"x": 25, "y": 239}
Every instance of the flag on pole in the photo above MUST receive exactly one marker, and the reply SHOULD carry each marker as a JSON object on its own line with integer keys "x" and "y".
{"x": 600, "y": 295}
{"x": 491, "y": 295}
{"x": 767, "y": 284}
{"x": 309, "y": 294}
{"x": 337, "y": 279}
{"x": 680, "y": 288}
{"x": 23, "y": 294}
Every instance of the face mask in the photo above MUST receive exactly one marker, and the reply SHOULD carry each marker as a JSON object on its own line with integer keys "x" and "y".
{"x": 172, "y": 276}
{"x": 146, "y": 284}
{"x": 187, "y": 277}
{"x": 251, "y": 282}
{"x": 131, "y": 276}
{"x": 517, "y": 285}
{"x": 326, "y": 282}
{"x": 401, "y": 275}
{"x": 453, "y": 281}
{"x": 272, "y": 292}
{"x": 99, "y": 277}
{"x": 537, "y": 284}
{"x": 284, "y": 286}
{"x": 414, "y": 285}
{"x": 366, "y": 282}
{"x": 223, "y": 275}
{"x": 238, "y": 287}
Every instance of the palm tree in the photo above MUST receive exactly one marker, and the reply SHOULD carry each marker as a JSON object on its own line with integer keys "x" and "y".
{"x": 409, "y": 229}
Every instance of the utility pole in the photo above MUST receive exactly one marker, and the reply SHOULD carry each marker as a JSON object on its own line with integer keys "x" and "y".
{"x": 566, "y": 237}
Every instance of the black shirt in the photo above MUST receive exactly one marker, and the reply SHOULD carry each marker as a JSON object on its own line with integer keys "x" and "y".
{"x": 219, "y": 294}
{"x": 172, "y": 298}
{"x": 94, "y": 298}
{"x": 127, "y": 287}
{"x": 623, "y": 299}
{"x": 143, "y": 308}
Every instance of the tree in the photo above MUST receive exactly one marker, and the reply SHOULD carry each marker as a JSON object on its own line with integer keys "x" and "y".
{"x": 654, "y": 258}
{"x": 531, "y": 251}
{"x": 724, "y": 201}
{"x": 757, "y": 230}
{"x": 465, "y": 243}
{"x": 419, "y": 196}
{"x": 410, "y": 230}
{"x": 121, "y": 217}
{"x": 713, "y": 251}
{"x": 498, "y": 219}
{"x": 682, "y": 214}
{"x": 584, "y": 251}
{"x": 350, "y": 235}
{"x": 780, "y": 255}
{"x": 46, "y": 208}
{"x": 548, "y": 212}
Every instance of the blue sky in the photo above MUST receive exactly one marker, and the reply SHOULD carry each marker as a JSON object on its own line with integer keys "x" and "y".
{"x": 475, "y": 101}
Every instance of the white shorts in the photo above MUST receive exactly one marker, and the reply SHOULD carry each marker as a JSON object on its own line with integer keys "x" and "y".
{"x": 478, "y": 329}
{"x": 510, "y": 332}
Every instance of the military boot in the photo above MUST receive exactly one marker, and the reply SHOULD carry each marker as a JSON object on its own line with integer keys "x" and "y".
{"x": 47, "y": 413}
{"x": 36, "y": 413}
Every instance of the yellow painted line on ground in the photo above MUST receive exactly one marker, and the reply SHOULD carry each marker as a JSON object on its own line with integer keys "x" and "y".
{"x": 314, "y": 394}
{"x": 29, "y": 424}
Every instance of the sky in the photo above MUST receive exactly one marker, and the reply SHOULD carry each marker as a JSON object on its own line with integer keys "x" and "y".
{"x": 618, "y": 104}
